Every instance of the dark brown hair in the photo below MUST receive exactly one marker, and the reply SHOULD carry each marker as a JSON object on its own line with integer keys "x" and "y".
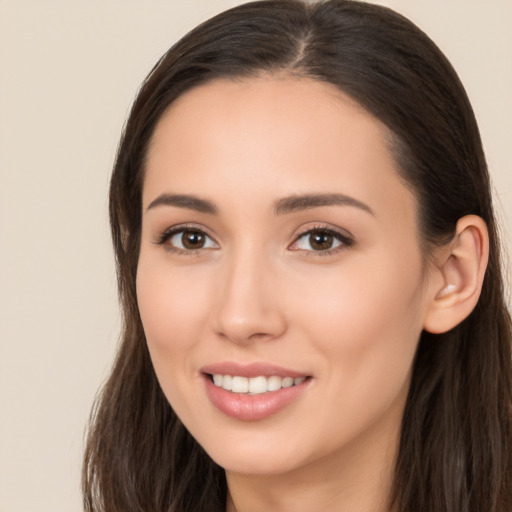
{"x": 455, "y": 452}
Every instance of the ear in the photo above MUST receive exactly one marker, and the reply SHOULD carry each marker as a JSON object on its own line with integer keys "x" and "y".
{"x": 459, "y": 274}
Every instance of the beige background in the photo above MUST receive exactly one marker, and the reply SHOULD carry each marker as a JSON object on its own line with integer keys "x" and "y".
{"x": 69, "y": 71}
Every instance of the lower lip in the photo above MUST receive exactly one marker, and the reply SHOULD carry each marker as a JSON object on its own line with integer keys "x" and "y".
{"x": 252, "y": 407}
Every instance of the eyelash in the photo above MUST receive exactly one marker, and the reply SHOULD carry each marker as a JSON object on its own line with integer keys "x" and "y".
{"x": 345, "y": 241}
{"x": 166, "y": 235}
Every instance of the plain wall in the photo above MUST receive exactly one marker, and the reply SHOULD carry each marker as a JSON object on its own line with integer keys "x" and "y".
{"x": 69, "y": 72}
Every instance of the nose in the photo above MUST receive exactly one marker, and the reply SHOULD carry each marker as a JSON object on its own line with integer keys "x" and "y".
{"x": 248, "y": 307}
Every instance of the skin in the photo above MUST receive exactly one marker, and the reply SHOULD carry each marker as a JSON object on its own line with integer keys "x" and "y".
{"x": 258, "y": 291}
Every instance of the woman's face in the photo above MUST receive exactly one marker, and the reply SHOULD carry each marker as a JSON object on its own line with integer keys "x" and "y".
{"x": 280, "y": 283}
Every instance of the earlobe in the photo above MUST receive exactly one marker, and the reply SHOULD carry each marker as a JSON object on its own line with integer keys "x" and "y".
{"x": 461, "y": 271}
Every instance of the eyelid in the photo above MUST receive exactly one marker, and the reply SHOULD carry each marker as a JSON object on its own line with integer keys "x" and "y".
{"x": 165, "y": 235}
{"x": 346, "y": 239}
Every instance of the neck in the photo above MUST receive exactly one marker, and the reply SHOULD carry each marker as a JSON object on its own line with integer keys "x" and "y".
{"x": 355, "y": 478}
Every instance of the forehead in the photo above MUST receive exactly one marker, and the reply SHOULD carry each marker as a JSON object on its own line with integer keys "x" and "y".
{"x": 259, "y": 109}
{"x": 274, "y": 135}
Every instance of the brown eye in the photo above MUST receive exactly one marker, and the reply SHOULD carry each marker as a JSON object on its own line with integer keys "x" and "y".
{"x": 192, "y": 240}
{"x": 187, "y": 240}
{"x": 320, "y": 241}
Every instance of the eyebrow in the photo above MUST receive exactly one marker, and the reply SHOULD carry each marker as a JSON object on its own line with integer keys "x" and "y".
{"x": 308, "y": 201}
{"x": 184, "y": 201}
{"x": 282, "y": 206}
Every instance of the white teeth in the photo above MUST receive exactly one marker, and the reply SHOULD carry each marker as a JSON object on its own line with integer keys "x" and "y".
{"x": 287, "y": 382}
{"x": 274, "y": 383}
{"x": 227, "y": 382}
{"x": 240, "y": 385}
{"x": 255, "y": 385}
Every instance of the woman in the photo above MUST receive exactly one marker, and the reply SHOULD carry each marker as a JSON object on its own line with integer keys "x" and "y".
{"x": 310, "y": 276}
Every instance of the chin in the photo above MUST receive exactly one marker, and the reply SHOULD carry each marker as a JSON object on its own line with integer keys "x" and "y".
{"x": 255, "y": 465}
{"x": 255, "y": 455}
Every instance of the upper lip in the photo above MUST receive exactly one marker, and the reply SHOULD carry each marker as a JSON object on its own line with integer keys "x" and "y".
{"x": 256, "y": 369}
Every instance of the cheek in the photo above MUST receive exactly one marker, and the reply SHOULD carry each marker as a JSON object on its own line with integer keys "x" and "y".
{"x": 375, "y": 293}
{"x": 366, "y": 321}
{"x": 172, "y": 306}
{"x": 169, "y": 298}
{"x": 365, "y": 327}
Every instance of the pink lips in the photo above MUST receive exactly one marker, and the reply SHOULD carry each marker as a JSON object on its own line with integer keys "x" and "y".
{"x": 250, "y": 370}
{"x": 251, "y": 407}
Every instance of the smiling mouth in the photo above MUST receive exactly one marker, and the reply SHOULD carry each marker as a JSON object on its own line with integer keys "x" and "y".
{"x": 254, "y": 385}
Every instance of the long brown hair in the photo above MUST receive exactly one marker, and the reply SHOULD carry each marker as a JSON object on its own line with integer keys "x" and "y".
{"x": 455, "y": 452}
